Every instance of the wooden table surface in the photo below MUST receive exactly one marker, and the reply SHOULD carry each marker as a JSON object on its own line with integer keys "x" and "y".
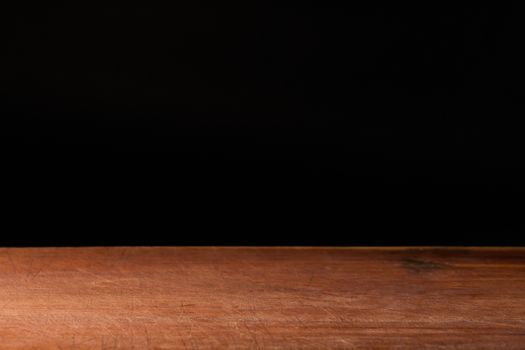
{"x": 293, "y": 298}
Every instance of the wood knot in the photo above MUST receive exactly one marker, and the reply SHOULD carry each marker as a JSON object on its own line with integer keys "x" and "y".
{"x": 420, "y": 266}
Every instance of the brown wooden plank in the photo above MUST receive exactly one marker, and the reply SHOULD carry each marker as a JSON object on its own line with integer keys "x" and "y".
{"x": 307, "y": 298}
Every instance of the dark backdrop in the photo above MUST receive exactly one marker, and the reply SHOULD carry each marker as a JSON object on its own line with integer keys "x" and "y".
{"x": 263, "y": 124}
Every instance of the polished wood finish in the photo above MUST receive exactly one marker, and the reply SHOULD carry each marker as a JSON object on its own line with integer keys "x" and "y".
{"x": 292, "y": 298}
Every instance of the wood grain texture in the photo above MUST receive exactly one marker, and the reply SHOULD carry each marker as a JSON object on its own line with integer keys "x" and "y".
{"x": 293, "y": 298}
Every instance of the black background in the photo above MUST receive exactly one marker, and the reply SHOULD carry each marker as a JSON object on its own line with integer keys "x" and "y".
{"x": 263, "y": 124}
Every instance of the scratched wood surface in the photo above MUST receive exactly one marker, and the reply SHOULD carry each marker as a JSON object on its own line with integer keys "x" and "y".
{"x": 304, "y": 298}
